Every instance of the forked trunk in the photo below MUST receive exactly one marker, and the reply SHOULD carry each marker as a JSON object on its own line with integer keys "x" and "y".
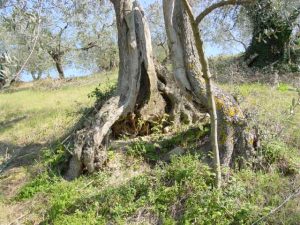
{"x": 140, "y": 94}
{"x": 234, "y": 138}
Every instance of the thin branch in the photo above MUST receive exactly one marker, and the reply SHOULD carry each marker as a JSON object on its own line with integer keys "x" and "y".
{"x": 220, "y": 4}
{"x": 29, "y": 56}
{"x": 293, "y": 195}
{"x": 233, "y": 38}
{"x": 209, "y": 92}
{"x": 62, "y": 30}
{"x": 88, "y": 46}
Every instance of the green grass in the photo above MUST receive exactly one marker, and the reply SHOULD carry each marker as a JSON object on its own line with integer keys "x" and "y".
{"x": 177, "y": 193}
{"x": 41, "y": 114}
{"x": 133, "y": 189}
{"x": 270, "y": 110}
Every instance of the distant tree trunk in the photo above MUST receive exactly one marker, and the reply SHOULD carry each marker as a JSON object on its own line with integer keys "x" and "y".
{"x": 142, "y": 93}
{"x": 235, "y": 139}
{"x": 59, "y": 67}
{"x": 57, "y": 56}
{"x": 2, "y": 77}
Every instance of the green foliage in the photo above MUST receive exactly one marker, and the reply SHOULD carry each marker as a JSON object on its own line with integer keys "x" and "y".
{"x": 277, "y": 155}
{"x": 186, "y": 138}
{"x": 39, "y": 184}
{"x": 273, "y": 23}
{"x": 283, "y": 87}
{"x": 152, "y": 151}
{"x": 158, "y": 126}
{"x": 103, "y": 93}
{"x": 143, "y": 149}
{"x": 288, "y": 67}
{"x": 180, "y": 192}
{"x": 51, "y": 160}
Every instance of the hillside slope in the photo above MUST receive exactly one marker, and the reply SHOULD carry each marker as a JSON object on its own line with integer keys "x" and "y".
{"x": 141, "y": 183}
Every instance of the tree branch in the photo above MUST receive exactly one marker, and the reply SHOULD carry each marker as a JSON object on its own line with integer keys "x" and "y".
{"x": 220, "y": 4}
{"x": 88, "y": 46}
{"x": 233, "y": 38}
{"x": 209, "y": 92}
{"x": 293, "y": 195}
{"x": 30, "y": 54}
{"x": 62, "y": 30}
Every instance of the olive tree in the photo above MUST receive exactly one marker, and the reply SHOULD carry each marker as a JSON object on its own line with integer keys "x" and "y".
{"x": 145, "y": 93}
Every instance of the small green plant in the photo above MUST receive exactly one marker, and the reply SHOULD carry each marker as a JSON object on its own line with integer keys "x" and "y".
{"x": 102, "y": 94}
{"x": 143, "y": 149}
{"x": 283, "y": 87}
{"x": 295, "y": 103}
{"x": 277, "y": 155}
{"x": 51, "y": 160}
{"x": 158, "y": 126}
{"x": 41, "y": 183}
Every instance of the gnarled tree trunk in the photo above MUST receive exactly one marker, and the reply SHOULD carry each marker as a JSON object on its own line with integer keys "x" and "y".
{"x": 235, "y": 139}
{"x": 140, "y": 94}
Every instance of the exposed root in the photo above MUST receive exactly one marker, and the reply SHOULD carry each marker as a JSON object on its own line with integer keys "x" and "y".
{"x": 89, "y": 151}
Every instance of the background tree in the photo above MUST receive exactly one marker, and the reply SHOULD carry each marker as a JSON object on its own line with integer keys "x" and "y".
{"x": 273, "y": 23}
{"x": 65, "y": 29}
{"x": 104, "y": 56}
{"x": 38, "y": 64}
{"x": 20, "y": 30}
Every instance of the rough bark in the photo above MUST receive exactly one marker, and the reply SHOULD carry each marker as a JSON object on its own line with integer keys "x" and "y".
{"x": 234, "y": 139}
{"x": 2, "y": 82}
{"x": 143, "y": 93}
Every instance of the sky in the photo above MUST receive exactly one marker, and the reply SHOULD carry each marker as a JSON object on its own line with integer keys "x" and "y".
{"x": 71, "y": 71}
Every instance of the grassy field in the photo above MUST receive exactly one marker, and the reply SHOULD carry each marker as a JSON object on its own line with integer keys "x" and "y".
{"x": 136, "y": 188}
{"x": 43, "y": 112}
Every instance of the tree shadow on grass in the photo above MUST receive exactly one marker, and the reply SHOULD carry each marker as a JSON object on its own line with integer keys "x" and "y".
{"x": 9, "y": 123}
{"x": 18, "y": 156}
{"x": 194, "y": 140}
